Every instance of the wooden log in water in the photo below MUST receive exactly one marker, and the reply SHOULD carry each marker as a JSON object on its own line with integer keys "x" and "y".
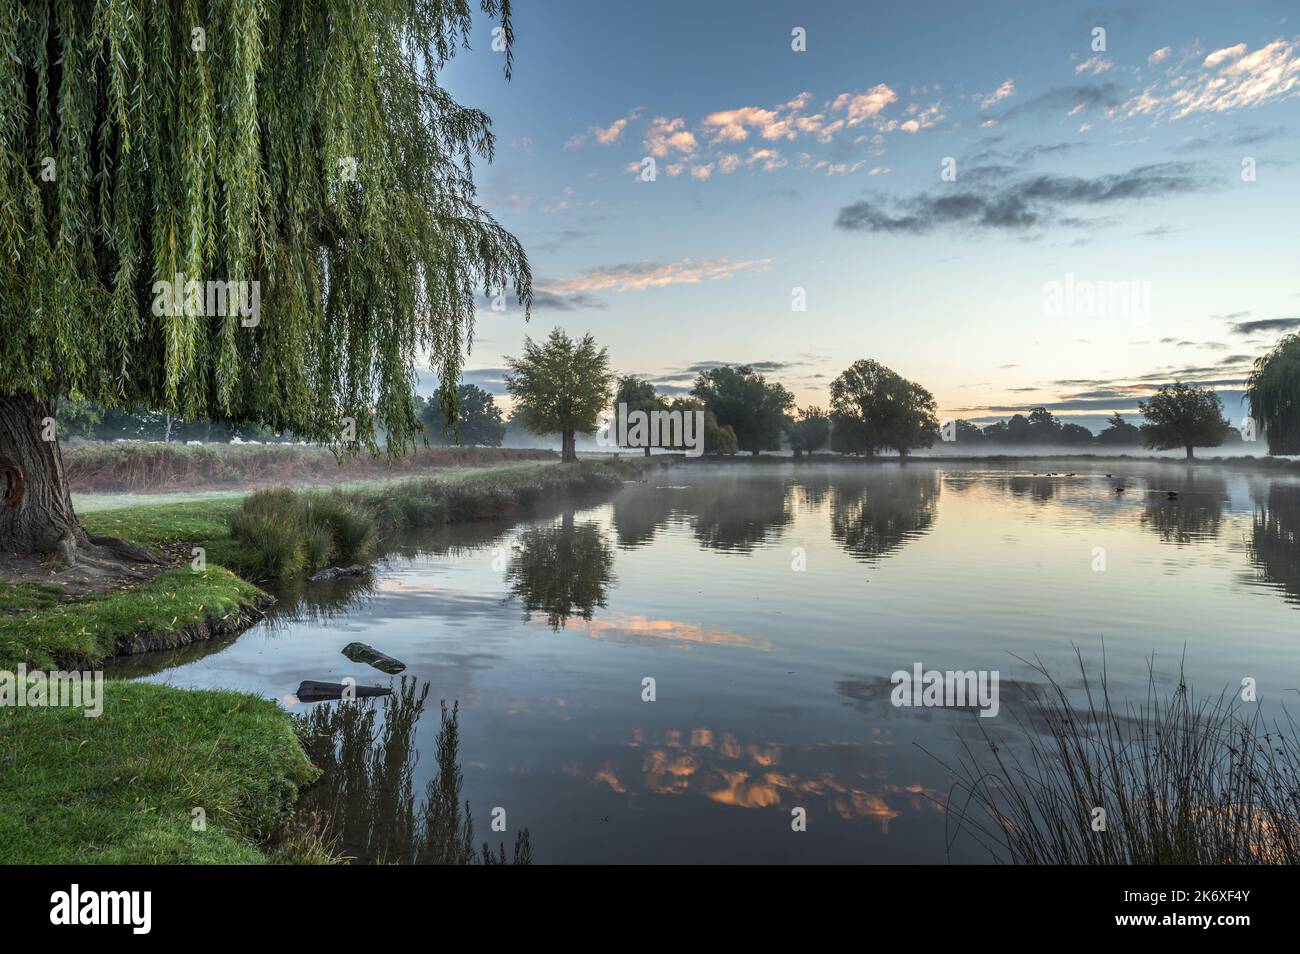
{"x": 311, "y": 691}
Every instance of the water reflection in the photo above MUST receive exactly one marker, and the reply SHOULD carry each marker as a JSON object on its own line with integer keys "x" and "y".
{"x": 1194, "y": 512}
{"x": 1275, "y": 537}
{"x": 844, "y": 779}
{"x": 366, "y": 793}
{"x": 563, "y": 570}
{"x": 871, "y": 520}
{"x": 738, "y": 516}
{"x": 641, "y": 511}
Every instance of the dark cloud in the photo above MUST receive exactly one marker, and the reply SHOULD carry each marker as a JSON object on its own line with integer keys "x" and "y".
{"x": 1064, "y": 99}
{"x": 1230, "y": 399}
{"x": 1023, "y": 204}
{"x": 545, "y": 300}
{"x": 1265, "y": 324}
{"x": 1242, "y": 136}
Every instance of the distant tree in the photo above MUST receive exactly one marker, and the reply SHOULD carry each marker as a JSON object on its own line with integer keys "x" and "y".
{"x": 964, "y": 432}
{"x": 561, "y": 387}
{"x": 478, "y": 423}
{"x": 1273, "y": 390}
{"x": 997, "y": 433}
{"x": 718, "y": 438}
{"x": 875, "y": 407}
{"x": 1044, "y": 427}
{"x": 809, "y": 431}
{"x": 1074, "y": 435}
{"x": 1119, "y": 433}
{"x": 742, "y": 399}
{"x": 639, "y": 395}
{"x": 80, "y": 418}
{"x": 1183, "y": 415}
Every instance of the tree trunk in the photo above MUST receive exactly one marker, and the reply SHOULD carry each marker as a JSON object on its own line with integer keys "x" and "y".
{"x": 568, "y": 451}
{"x": 1189, "y": 451}
{"x": 36, "y": 515}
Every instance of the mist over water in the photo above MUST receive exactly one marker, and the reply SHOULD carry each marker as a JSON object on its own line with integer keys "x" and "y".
{"x": 770, "y": 605}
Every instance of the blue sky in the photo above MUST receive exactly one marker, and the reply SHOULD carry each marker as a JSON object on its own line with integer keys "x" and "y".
{"x": 823, "y": 170}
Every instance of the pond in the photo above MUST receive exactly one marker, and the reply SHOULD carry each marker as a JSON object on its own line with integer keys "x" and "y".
{"x": 668, "y": 674}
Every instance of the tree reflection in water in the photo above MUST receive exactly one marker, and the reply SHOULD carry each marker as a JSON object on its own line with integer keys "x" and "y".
{"x": 1196, "y": 514}
{"x": 1275, "y": 537}
{"x": 871, "y": 520}
{"x": 366, "y": 795}
{"x": 562, "y": 570}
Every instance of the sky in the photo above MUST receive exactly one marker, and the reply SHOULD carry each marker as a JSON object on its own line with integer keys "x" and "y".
{"x": 1014, "y": 204}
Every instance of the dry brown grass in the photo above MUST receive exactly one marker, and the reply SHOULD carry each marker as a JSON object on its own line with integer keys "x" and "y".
{"x": 151, "y": 467}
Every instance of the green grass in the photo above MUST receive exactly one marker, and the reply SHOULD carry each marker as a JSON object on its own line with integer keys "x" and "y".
{"x": 48, "y": 634}
{"x": 26, "y": 596}
{"x": 122, "y": 788}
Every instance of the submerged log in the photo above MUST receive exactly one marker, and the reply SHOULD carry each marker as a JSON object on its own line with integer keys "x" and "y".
{"x": 310, "y": 691}
{"x": 334, "y": 572}
{"x": 361, "y": 653}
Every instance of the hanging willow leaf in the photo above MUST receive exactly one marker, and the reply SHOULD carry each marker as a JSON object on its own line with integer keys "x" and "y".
{"x": 221, "y": 155}
{"x": 1273, "y": 390}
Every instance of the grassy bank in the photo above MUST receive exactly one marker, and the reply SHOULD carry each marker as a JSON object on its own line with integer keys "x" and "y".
{"x": 40, "y": 629}
{"x": 123, "y": 788}
{"x": 147, "y": 467}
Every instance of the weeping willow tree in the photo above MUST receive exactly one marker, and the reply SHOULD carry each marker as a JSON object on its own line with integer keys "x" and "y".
{"x": 1273, "y": 390}
{"x": 257, "y": 211}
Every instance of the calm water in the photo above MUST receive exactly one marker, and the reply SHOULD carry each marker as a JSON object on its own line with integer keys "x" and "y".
{"x": 772, "y": 683}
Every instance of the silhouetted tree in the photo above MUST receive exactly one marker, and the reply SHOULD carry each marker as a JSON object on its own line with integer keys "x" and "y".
{"x": 742, "y": 399}
{"x": 1183, "y": 415}
{"x": 809, "y": 431}
{"x": 479, "y": 422}
{"x": 875, "y": 407}
{"x": 1119, "y": 433}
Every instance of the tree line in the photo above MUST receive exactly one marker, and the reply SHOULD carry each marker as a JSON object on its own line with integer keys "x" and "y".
{"x": 562, "y": 386}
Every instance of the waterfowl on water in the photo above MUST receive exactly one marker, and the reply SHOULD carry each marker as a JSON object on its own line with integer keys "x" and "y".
{"x": 1172, "y": 494}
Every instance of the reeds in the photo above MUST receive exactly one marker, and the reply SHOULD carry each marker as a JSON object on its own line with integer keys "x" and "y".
{"x": 1180, "y": 780}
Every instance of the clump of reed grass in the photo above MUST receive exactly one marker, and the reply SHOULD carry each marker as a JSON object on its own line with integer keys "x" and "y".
{"x": 1182, "y": 780}
{"x": 284, "y": 532}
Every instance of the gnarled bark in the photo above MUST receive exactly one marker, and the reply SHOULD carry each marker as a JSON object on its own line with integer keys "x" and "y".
{"x": 36, "y": 516}
{"x": 36, "y": 511}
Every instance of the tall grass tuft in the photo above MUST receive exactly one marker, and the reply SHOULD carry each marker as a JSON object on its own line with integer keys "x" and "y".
{"x": 1181, "y": 781}
{"x": 282, "y": 532}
